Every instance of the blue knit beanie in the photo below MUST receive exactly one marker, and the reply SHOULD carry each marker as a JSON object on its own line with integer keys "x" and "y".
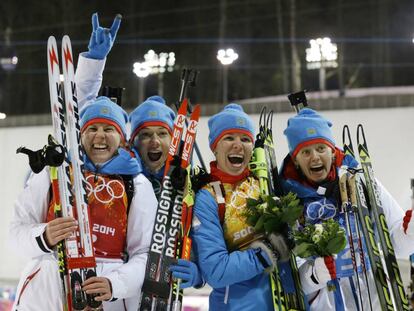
{"x": 306, "y": 128}
{"x": 152, "y": 112}
{"x": 232, "y": 119}
{"x": 104, "y": 110}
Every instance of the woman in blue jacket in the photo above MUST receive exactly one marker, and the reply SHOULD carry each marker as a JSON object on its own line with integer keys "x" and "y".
{"x": 232, "y": 260}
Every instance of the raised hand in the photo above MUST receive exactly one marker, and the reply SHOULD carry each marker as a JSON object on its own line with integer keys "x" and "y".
{"x": 102, "y": 39}
{"x": 59, "y": 229}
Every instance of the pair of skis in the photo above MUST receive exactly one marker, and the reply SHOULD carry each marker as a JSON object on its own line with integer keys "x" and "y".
{"x": 264, "y": 166}
{"x": 75, "y": 254}
{"x": 173, "y": 219}
{"x": 369, "y": 210}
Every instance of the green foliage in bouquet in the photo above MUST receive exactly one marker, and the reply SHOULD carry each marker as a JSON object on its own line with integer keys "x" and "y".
{"x": 270, "y": 215}
{"x": 324, "y": 239}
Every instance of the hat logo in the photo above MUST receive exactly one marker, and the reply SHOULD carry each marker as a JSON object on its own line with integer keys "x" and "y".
{"x": 152, "y": 113}
{"x": 104, "y": 110}
{"x": 311, "y": 131}
{"x": 240, "y": 121}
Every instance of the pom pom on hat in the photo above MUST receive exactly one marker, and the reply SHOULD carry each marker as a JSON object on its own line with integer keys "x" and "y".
{"x": 231, "y": 119}
{"x": 152, "y": 112}
{"x": 104, "y": 110}
{"x": 308, "y": 127}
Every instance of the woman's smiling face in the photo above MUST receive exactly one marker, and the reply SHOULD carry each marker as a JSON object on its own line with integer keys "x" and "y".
{"x": 233, "y": 152}
{"x": 152, "y": 143}
{"x": 315, "y": 161}
{"x": 100, "y": 142}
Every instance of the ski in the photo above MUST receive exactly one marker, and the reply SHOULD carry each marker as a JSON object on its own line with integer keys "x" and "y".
{"x": 87, "y": 258}
{"x": 156, "y": 287}
{"x": 397, "y": 287}
{"x": 296, "y": 301}
{"x": 360, "y": 206}
{"x": 183, "y": 243}
{"x": 64, "y": 207}
{"x": 173, "y": 239}
{"x": 264, "y": 166}
{"x": 75, "y": 255}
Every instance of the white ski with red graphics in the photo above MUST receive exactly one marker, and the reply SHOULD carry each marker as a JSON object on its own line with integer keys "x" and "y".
{"x": 156, "y": 290}
{"x": 77, "y": 263}
{"x": 64, "y": 186}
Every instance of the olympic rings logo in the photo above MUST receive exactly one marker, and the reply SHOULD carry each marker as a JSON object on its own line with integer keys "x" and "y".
{"x": 104, "y": 191}
{"x": 319, "y": 210}
{"x": 244, "y": 191}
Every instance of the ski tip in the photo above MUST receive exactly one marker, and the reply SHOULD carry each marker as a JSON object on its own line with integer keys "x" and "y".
{"x": 196, "y": 111}
{"x": 66, "y": 44}
{"x": 51, "y": 41}
{"x": 52, "y": 54}
{"x": 183, "y": 108}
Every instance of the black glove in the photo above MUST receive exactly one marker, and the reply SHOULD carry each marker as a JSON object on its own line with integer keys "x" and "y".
{"x": 178, "y": 174}
{"x": 200, "y": 179}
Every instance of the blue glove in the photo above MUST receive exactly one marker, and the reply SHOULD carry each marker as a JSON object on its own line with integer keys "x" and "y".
{"x": 102, "y": 39}
{"x": 188, "y": 272}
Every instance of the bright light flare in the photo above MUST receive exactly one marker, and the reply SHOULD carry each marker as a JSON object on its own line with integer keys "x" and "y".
{"x": 142, "y": 70}
{"x": 322, "y": 52}
{"x": 227, "y": 57}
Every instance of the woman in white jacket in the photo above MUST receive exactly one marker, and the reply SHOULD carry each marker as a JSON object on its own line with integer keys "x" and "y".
{"x": 311, "y": 171}
{"x": 117, "y": 225}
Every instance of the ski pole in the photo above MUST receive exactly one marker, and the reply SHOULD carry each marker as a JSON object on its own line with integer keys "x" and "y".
{"x": 350, "y": 181}
{"x": 346, "y": 209}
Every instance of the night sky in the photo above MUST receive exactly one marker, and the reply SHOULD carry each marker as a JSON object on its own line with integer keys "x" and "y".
{"x": 374, "y": 42}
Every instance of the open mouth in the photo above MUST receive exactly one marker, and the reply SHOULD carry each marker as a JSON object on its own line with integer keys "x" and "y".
{"x": 317, "y": 169}
{"x": 235, "y": 159}
{"x": 100, "y": 147}
{"x": 154, "y": 156}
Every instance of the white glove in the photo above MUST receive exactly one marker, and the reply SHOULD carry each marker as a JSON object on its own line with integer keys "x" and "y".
{"x": 279, "y": 245}
{"x": 323, "y": 270}
{"x": 265, "y": 253}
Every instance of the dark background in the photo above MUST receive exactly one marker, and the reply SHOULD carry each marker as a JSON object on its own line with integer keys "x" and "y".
{"x": 374, "y": 40}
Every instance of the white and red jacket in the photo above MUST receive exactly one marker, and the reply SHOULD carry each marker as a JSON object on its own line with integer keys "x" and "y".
{"x": 40, "y": 285}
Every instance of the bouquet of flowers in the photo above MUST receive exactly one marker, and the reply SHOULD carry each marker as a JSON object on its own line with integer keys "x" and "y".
{"x": 323, "y": 239}
{"x": 271, "y": 214}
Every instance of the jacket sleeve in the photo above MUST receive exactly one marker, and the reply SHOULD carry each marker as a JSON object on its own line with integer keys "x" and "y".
{"x": 88, "y": 78}
{"x": 29, "y": 215}
{"x": 403, "y": 243}
{"x": 219, "y": 267}
{"x": 127, "y": 280}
